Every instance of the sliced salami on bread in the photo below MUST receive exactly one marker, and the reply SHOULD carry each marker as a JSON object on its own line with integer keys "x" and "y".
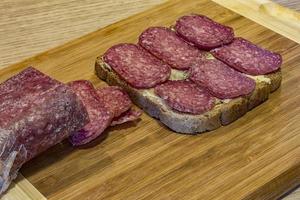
{"x": 224, "y": 112}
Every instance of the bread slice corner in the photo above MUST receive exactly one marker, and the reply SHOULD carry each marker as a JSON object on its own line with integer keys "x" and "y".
{"x": 224, "y": 112}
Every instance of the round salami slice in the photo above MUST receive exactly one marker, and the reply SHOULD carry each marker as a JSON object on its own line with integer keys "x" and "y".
{"x": 203, "y": 32}
{"x": 167, "y": 46}
{"x": 115, "y": 99}
{"x": 136, "y": 66}
{"x": 100, "y": 116}
{"x": 185, "y": 96}
{"x": 221, "y": 80}
{"x": 248, "y": 58}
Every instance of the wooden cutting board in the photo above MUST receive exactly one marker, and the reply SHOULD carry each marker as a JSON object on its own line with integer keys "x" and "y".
{"x": 256, "y": 157}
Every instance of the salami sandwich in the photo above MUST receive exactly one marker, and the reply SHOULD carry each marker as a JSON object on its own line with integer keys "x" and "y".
{"x": 195, "y": 77}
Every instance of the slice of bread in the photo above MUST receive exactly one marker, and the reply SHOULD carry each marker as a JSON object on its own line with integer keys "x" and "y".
{"x": 224, "y": 112}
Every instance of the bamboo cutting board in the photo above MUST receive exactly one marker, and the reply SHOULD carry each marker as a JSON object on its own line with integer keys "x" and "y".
{"x": 256, "y": 157}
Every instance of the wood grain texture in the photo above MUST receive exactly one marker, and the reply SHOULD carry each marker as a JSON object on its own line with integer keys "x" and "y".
{"x": 28, "y": 27}
{"x": 22, "y": 189}
{"x": 257, "y": 157}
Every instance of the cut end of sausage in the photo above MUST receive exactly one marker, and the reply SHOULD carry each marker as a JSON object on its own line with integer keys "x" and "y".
{"x": 100, "y": 116}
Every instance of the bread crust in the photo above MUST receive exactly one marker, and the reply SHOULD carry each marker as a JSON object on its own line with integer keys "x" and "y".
{"x": 276, "y": 79}
{"x": 225, "y": 111}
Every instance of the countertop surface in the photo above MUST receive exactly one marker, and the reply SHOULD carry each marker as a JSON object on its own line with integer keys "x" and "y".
{"x": 29, "y": 27}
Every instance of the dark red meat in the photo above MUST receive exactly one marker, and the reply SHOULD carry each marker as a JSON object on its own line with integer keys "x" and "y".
{"x": 167, "y": 46}
{"x": 185, "y": 96}
{"x": 129, "y": 115}
{"x": 100, "y": 116}
{"x": 115, "y": 99}
{"x": 221, "y": 80}
{"x": 36, "y": 112}
{"x": 203, "y": 32}
{"x": 136, "y": 66}
{"x": 248, "y": 58}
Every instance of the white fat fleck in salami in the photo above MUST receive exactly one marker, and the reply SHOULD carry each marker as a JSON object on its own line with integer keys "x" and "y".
{"x": 185, "y": 96}
{"x": 221, "y": 80}
{"x": 248, "y": 58}
{"x": 167, "y": 46}
{"x": 115, "y": 99}
{"x": 136, "y": 66}
{"x": 203, "y": 32}
{"x": 100, "y": 116}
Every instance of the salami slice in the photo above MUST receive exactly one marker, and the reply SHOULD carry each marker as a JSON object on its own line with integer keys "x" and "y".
{"x": 129, "y": 115}
{"x": 203, "y": 32}
{"x": 136, "y": 66}
{"x": 100, "y": 116}
{"x": 221, "y": 80}
{"x": 115, "y": 99}
{"x": 248, "y": 58}
{"x": 185, "y": 96}
{"x": 167, "y": 46}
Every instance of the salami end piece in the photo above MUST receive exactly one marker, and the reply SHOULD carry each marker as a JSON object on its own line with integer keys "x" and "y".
{"x": 221, "y": 80}
{"x": 248, "y": 58}
{"x": 136, "y": 66}
{"x": 36, "y": 112}
{"x": 115, "y": 99}
{"x": 100, "y": 116}
{"x": 203, "y": 32}
{"x": 166, "y": 45}
{"x": 185, "y": 96}
{"x": 128, "y": 116}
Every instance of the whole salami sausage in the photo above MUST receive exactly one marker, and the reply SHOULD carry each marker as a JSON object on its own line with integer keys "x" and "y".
{"x": 221, "y": 80}
{"x": 185, "y": 96}
{"x": 248, "y": 58}
{"x": 36, "y": 112}
{"x": 100, "y": 116}
{"x": 136, "y": 66}
{"x": 167, "y": 46}
{"x": 203, "y": 32}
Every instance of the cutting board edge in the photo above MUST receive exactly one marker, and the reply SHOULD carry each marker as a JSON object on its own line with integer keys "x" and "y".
{"x": 17, "y": 66}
